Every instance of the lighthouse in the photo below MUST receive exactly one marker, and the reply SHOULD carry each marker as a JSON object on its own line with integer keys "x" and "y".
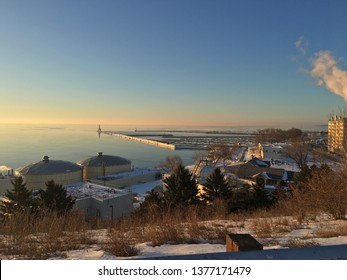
{"x": 99, "y": 130}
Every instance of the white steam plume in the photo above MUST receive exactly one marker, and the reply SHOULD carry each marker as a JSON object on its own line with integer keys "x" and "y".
{"x": 327, "y": 74}
{"x": 301, "y": 45}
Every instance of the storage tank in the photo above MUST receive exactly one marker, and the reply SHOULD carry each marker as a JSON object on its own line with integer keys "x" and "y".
{"x": 62, "y": 172}
{"x": 103, "y": 165}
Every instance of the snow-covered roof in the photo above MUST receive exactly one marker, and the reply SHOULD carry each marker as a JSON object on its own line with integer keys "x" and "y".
{"x": 84, "y": 189}
{"x": 257, "y": 162}
{"x": 275, "y": 146}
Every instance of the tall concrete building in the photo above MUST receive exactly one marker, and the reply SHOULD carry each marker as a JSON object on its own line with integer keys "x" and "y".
{"x": 337, "y": 135}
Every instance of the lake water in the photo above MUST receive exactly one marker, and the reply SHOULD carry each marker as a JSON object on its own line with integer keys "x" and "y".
{"x": 23, "y": 144}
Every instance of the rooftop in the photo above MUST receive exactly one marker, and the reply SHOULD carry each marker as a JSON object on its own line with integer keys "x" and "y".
{"x": 85, "y": 189}
{"x": 47, "y": 166}
{"x": 104, "y": 160}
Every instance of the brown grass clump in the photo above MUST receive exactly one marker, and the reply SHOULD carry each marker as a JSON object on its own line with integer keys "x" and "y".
{"x": 119, "y": 244}
{"x": 214, "y": 234}
{"x": 41, "y": 237}
{"x": 268, "y": 227}
{"x": 262, "y": 228}
{"x": 324, "y": 191}
{"x": 332, "y": 232}
{"x": 298, "y": 243}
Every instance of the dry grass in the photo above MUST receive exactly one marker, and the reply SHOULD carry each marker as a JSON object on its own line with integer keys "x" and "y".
{"x": 120, "y": 245}
{"x": 262, "y": 228}
{"x": 299, "y": 243}
{"x": 336, "y": 231}
{"x": 50, "y": 236}
{"x": 175, "y": 226}
{"x": 42, "y": 237}
{"x": 270, "y": 227}
{"x": 213, "y": 234}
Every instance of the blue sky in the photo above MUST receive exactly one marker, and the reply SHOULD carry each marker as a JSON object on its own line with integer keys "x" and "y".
{"x": 173, "y": 63}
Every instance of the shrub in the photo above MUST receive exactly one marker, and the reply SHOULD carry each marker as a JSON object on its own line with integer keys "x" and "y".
{"x": 120, "y": 245}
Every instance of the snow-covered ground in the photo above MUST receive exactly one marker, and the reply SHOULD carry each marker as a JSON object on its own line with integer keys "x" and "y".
{"x": 285, "y": 233}
{"x": 272, "y": 233}
{"x": 306, "y": 235}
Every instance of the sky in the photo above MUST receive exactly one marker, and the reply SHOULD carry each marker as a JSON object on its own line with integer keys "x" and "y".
{"x": 173, "y": 63}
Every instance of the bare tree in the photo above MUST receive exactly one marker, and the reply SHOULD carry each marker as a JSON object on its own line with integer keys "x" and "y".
{"x": 200, "y": 155}
{"x": 328, "y": 191}
{"x": 219, "y": 152}
{"x": 324, "y": 190}
{"x": 299, "y": 151}
{"x": 170, "y": 162}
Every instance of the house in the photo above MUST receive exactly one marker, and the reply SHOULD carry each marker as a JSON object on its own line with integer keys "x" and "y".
{"x": 255, "y": 151}
{"x": 260, "y": 163}
{"x": 252, "y": 169}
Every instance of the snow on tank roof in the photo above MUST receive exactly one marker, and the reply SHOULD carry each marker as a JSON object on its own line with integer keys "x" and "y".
{"x": 106, "y": 160}
{"x": 47, "y": 166}
{"x": 84, "y": 190}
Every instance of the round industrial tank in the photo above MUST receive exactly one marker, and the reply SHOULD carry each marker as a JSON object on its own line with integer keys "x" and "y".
{"x": 103, "y": 165}
{"x": 62, "y": 172}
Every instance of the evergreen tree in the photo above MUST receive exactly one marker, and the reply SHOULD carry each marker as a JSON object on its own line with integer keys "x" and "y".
{"x": 19, "y": 199}
{"x": 301, "y": 179}
{"x": 261, "y": 196}
{"x": 241, "y": 199}
{"x": 216, "y": 187}
{"x": 153, "y": 201}
{"x": 55, "y": 198}
{"x": 180, "y": 187}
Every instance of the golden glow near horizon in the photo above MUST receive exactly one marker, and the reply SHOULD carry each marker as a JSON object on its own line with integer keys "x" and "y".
{"x": 170, "y": 64}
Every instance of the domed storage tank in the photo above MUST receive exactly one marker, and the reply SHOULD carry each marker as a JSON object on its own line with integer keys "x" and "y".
{"x": 62, "y": 172}
{"x": 103, "y": 165}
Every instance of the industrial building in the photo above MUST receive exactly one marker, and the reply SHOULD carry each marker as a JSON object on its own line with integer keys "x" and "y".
{"x": 337, "y": 135}
{"x": 96, "y": 182}
{"x": 126, "y": 179}
{"x": 103, "y": 165}
{"x": 62, "y": 172}
{"x": 101, "y": 202}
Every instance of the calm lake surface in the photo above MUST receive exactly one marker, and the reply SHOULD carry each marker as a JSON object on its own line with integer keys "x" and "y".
{"x": 24, "y": 144}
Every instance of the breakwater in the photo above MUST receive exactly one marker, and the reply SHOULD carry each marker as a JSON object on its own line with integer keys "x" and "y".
{"x": 143, "y": 140}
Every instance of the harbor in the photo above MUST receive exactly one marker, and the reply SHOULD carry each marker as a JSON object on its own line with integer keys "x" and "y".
{"x": 185, "y": 140}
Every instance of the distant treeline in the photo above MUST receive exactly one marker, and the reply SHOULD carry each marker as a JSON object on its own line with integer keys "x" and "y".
{"x": 272, "y": 135}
